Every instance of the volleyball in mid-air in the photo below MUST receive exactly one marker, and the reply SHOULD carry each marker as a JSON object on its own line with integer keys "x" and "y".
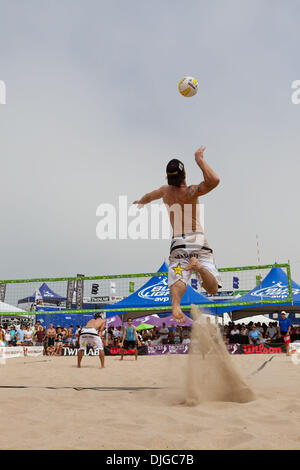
{"x": 188, "y": 86}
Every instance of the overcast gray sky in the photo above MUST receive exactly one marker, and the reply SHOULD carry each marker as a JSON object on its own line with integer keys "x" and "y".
{"x": 93, "y": 112}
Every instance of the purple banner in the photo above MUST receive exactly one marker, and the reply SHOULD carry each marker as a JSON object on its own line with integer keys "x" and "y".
{"x": 160, "y": 349}
{"x": 233, "y": 348}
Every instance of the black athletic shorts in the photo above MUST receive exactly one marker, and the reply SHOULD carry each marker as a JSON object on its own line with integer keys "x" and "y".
{"x": 50, "y": 342}
{"x": 129, "y": 344}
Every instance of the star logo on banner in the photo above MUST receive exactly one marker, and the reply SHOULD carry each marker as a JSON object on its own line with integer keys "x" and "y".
{"x": 178, "y": 269}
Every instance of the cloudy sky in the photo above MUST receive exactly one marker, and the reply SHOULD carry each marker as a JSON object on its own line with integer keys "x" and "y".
{"x": 93, "y": 112}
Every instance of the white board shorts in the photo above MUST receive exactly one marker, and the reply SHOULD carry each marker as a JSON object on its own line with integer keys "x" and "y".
{"x": 183, "y": 248}
{"x": 90, "y": 337}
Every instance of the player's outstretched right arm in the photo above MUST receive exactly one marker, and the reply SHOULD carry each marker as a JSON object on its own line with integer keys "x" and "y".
{"x": 211, "y": 180}
{"x": 124, "y": 334}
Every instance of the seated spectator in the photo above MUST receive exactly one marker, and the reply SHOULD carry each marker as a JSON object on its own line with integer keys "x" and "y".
{"x": 177, "y": 335}
{"x": 254, "y": 335}
{"x": 163, "y": 332}
{"x": 50, "y": 350}
{"x": 13, "y": 334}
{"x": 172, "y": 330}
{"x": 117, "y": 335}
{"x": 226, "y": 340}
{"x": 271, "y": 332}
{"x": 243, "y": 338}
{"x": 234, "y": 335}
{"x": 186, "y": 335}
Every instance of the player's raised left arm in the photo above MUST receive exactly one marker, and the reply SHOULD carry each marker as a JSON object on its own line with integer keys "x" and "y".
{"x": 149, "y": 197}
{"x": 211, "y": 180}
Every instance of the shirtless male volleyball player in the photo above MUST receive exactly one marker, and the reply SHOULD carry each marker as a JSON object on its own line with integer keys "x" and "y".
{"x": 91, "y": 335}
{"x": 189, "y": 249}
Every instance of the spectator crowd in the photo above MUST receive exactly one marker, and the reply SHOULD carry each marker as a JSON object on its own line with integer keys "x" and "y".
{"x": 256, "y": 333}
{"x": 54, "y": 338}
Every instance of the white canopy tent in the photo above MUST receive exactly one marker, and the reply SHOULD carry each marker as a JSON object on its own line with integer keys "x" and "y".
{"x": 4, "y": 307}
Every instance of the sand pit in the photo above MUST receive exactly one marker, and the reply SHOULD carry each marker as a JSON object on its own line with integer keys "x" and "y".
{"x": 146, "y": 404}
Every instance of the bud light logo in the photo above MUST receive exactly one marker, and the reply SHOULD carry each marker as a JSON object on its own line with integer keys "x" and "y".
{"x": 158, "y": 292}
{"x": 277, "y": 291}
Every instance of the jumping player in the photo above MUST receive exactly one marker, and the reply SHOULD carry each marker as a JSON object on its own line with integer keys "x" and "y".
{"x": 189, "y": 249}
{"x": 91, "y": 335}
{"x": 130, "y": 339}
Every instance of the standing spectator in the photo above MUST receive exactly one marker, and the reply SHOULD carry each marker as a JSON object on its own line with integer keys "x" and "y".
{"x": 77, "y": 333}
{"x": 28, "y": 337}
{"x": 51, "y": 335}
{"x": 2, "y": 337}
{"x": 284, "y": 331}
{"x": 21, "y": 333}
{"x": 70, "y": 331}
{"x": 40, "y": 336}
{"x": 59, "y": 341}
{"x": 7, "y": 337}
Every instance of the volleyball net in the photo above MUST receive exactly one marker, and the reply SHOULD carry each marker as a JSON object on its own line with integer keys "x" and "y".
{"x": 272, "y": 284}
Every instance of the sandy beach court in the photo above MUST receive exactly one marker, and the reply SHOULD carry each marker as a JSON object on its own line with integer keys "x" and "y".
{"x": 139, "y": 405}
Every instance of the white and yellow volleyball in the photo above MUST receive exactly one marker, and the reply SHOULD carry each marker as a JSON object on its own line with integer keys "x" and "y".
{"x": 188, "y": 86}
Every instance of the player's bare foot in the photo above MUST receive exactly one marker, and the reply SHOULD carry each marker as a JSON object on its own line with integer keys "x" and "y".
{"x": 178, "y": 315}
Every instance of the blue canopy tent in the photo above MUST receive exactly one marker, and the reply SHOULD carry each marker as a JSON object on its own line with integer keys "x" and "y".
{"x": 155, "y": 293}
{"x": 45, "y": 294}
{"x": 273, "y": 287}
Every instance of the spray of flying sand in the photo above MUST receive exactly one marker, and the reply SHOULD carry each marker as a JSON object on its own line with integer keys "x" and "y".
{"x": 211, "y": 374}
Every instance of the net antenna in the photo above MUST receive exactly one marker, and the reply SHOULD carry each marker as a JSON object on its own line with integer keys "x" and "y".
{"x": 259, "y": 277}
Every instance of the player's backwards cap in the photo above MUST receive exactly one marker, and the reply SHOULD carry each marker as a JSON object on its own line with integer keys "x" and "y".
{"x": 175, "y": 172}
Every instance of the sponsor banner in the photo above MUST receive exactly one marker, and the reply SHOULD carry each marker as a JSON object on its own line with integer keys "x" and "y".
{"x": 160, "y": 349}
{"x": 70, "y": 292}
{"x": 262, "y": 348}
{"x": 20, "y": 351}
{"x": 163, "y": 349}
{"x": 79, "y": 292}
{"x": 2, "y": 292}
{"x": 116, "y": 351}
{"x": 66, "y": 351}
{"x": 233, "y": 348}
{"x": 276, "y": 291}
{"x": 108, "y": 351}
{"x": 99, "y": 298}
{"x": 158, "y": 292}
{"x": 33, "y": 350}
